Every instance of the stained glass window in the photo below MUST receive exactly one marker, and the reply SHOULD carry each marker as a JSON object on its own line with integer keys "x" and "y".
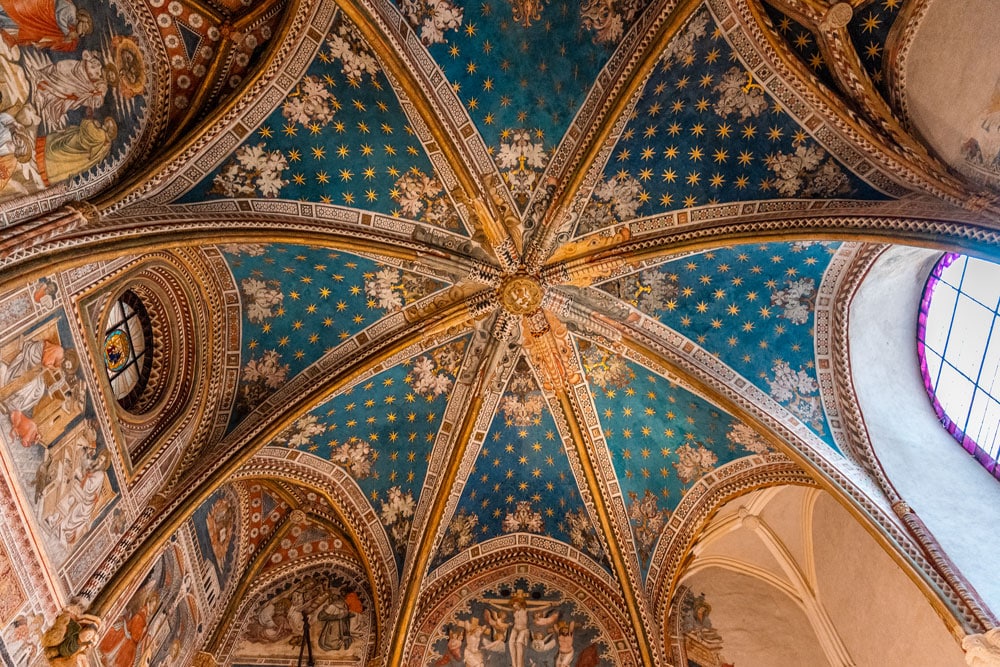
{"x": 958, "y": 339}
{"x": 127, "y": 348}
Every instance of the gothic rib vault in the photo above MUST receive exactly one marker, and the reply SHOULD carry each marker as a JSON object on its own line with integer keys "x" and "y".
{"x": 482, "y": 332}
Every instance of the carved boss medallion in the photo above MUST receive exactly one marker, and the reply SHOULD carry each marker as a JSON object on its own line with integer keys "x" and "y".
{"x": 521, "y": 294}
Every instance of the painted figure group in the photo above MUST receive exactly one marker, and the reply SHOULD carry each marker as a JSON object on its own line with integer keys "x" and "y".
{"x": 55, "y": 118}
{"x": 65, "y": 469}
{"x": 330, "y": 607}
{"x": 516, "y": 632}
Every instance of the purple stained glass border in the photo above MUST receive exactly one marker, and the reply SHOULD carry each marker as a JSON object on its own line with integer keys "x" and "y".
{"x": 970, "y": 445}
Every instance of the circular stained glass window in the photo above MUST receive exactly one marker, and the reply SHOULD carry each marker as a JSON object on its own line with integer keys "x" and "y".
{"x": 958, "y": 339}
{"x": 128, "y": 339}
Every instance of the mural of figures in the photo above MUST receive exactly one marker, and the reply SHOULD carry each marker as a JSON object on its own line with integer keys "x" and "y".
{"x": 49, "y": 427}
{"x": 215, "y": 525}
{"x": 12, "y": 595}
{"x": 981, "y": 148}
{"x": 72, "y": 91}
{"x": 160, "y": 621}
{"x": 339, "y": 610}
{"x": 702, "y": 644}
{"x": 22, "y": 639}
{"x": 520, "y": 624}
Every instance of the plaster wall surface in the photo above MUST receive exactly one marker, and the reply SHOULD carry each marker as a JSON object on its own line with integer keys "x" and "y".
{"x": 953, "y": 81}
{"x": 760, "y": 625}
{"x": 880, "y": 615}
{"x": 954, "y": 496}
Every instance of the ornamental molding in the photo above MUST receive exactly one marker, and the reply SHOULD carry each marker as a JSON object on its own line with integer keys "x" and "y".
{"x": 897, "y": 50}
{"x": 361, "y": 523}
{"x": 708, "y": 494}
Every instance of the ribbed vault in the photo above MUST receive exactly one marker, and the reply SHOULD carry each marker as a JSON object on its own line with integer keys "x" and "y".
{"x": 499, "y": 303}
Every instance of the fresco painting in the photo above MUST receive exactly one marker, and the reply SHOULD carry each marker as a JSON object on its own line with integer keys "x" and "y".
{"x": 48, "y": 426}
{"x": 72, "y": 91}
{"x": 18, "y": 642}
{"x": 215, "y": 527}
{"x": 159, "y": 623}
{"x": 981, "y": 147}
{"x": 339, "y": 610}
{"x": 699, "y": 643}
{"x": 12, "y": 595}
{"x": 520, "y": 624}
{"x": 21, "y": 640}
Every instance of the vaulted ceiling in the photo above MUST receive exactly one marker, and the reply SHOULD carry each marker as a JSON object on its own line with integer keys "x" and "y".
{"x": 465, "y": 301}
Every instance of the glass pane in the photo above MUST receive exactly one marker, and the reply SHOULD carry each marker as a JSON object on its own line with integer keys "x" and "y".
{"x": 955, "y": 395}
{"x": 969, "y": 332}
{"x": 986, "y": 417}
{"x": 933, "y": 366}
{"x": 982, "y": 282}
{"x": 939, "y": 317}
{"x": 115, "y": 317}
{"x": 953, "y": 274}
{"x": 135, "y": 330}
{"x": 989, "y": 377}
{"x": 123, "y": 384}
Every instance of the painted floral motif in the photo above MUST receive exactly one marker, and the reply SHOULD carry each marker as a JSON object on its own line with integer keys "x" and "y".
{"x": 461, "y": 533}
{"x": 800, "y": 246}
{"x": 693, "y": 462}
{"x": 523, "y": 161}
{"x": 262, "y": 298}
{"x": 422, "y": 197}
{"x": 747, "y": 438}
{"x": 526, "y": 12}
{"x": 797, "y": 391}
{"x": 397, "y": 515}
{"x": 355, "y": 456}
{"x": 807, "y": 172}
{"x": 614, "y": 201}
{"x": 582, "y": 534}
{"x": 651, "y": 291}
{"x": 738, "y": 94}
{"x": 432, "y": 18}
{"x": 683, "y": 45}
{"x": 252, "y": 171}
{"x": 648, "y": 521}
{"x": 523, "y": 520}
{"x": 261, "y": 376}
{"x": 434, "y": 375}
{"x": 523, "y": 403}
{"x": 608, "y": 19}
{"x": 249, "y": 249}
{"x": 796, "y": 300}
{"x": 310, "y": 104}
{"x": 392, "y": 288}
{"x": 302, "y": 432}
{"x": 346, "y": 44}
{"x": 605, "y": 369}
